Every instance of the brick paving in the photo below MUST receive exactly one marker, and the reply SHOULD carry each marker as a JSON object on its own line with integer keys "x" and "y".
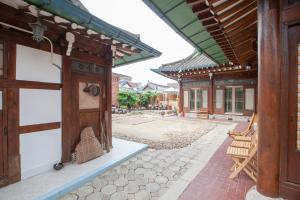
{"x": 150, "y": 174}
{"x": 213, "y": 183}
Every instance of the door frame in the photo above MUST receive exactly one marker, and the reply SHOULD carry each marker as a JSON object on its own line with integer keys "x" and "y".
{"x": 233, "y": 100}
{"x": 287, "y": 189}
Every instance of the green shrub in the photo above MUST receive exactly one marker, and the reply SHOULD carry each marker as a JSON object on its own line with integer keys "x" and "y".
{"x": 127, "y": 98}
{"x": 146, "y": 97}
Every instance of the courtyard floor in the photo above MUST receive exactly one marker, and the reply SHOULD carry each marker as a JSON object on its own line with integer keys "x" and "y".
{"x": 157, "y": 173}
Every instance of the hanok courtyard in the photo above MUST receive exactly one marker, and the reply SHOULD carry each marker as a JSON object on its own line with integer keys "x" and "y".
{"x": 228, "y": 126}
{"x": 184, "y": 160}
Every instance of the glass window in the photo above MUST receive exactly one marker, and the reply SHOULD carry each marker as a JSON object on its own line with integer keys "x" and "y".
{"x": 198, "y": 99}
{"x": 192, "y": 99}
{"x": 228, "y": 100}
{"x": 239, "y": 100}
{"x": 1, "y": 59}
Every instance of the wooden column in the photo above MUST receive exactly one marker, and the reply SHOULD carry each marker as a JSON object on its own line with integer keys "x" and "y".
{"x": 268, "y": 96}
{"x": 109, "y": 58}
{"x": 211, "y": 96}
{"x": 180, "y": 100}
{"x": 14, "y": 168}
{"x": 66, "y": 109}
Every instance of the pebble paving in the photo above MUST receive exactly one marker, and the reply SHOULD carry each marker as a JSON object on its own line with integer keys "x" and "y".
{"x": 145, "y": 176}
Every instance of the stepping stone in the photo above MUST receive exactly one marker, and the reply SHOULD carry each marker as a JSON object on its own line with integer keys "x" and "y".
{"x": 99, "y": 182}
{"x": 122, "y": 170}
{"x": 140, "y": 171}
{"x": 174, "y": 168}
{"x": 152, "y": 187}
{"x": 133, "y": 159}
{"x": 95, "y": 196}
{"x": 121, "y": 182}
{"x": 146, "y": 158}
{"x": 132, "y": 166}
{"x": 155, "y": 161}
{"x": 109, "y": 189}
{"x": 132, "y": 187}
{"x": 119, "y": 196}
{"x": 141, "y": 181}
{"x": 149, "y": 174}
{"x": 179, "y": 163}
{"x": 84, "y": 191}
{"x": 142, "y": 195}
{"x": 147, "y": 165}
{"x": 161, "y": 179}
{"x": 169, "y": 174}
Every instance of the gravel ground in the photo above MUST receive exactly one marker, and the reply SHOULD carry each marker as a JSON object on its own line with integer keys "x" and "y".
{"x": 160, "y": 132}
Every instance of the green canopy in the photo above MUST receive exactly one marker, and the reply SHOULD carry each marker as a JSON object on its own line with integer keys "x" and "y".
{"x": 179, "y": 16}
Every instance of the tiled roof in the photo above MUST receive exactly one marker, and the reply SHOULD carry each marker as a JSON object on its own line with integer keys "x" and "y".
{"x": 194, "y": 61}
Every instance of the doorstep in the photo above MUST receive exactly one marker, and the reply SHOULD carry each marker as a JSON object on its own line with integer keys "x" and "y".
{"x": 54, "y": 184}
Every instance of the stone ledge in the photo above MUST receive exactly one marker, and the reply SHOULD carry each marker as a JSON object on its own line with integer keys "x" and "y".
{"x": 253, "y": 194}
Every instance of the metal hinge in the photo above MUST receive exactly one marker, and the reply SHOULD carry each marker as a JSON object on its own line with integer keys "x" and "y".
{"x": 5, "y": 131}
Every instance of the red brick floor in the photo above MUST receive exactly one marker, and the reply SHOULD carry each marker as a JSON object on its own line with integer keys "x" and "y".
{"x": 212, "y": 183}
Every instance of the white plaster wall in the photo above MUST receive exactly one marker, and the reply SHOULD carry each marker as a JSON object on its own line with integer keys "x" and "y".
{"x": 38, "y": 150}
{"x": 35, "y": 65}
{"x": 39, "y": 106}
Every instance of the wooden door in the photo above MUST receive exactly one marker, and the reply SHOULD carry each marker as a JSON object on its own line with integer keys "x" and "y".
{"x": 87, "y": 109}
{"x": 293, "y": 153}
{"x": 3, "y": 123}
{"x": 290, "y": 138}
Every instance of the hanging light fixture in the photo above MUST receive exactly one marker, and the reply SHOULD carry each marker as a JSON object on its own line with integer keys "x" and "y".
{"x": 38, "y": 29}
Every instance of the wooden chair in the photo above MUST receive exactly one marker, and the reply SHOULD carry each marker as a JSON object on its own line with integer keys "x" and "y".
{"x": 244, "y": 155}
{"x": 248, "y": 131}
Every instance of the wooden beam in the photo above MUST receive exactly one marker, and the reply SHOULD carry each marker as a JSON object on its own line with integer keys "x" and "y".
{"x": 235, "y": 9}
{"x": 5, "y": 83}
{"x": 224, "y": 5}
{"x": 39, "y": 127}
{"x": 243, "y": 22}
{"x": 238, "y": 14}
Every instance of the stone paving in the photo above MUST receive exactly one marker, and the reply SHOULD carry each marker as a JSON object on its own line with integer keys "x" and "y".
{"x": 148, "y": 175}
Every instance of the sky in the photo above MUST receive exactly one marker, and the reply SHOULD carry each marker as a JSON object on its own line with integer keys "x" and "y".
{"x": 136, "y": 17}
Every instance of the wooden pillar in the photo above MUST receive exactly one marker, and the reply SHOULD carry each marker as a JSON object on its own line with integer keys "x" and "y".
{"x": 66, "y": 109}
{"x": 268, "y": 96}
{"x": 211, "y": 96}
{"x": 180, "y": 100}
{"x": 109, "y": 57}
{"x": 14, "y": 167}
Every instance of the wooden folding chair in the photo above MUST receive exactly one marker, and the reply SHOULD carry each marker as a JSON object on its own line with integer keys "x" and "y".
{"x": 246, "y": 131}
{"x": 244, "y": 155}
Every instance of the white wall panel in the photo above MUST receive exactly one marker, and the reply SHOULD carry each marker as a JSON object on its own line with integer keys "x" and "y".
{"x": 249, "y": 97}
{"x": 219, "y": 99}
{"x": 186, "y": 99}
{"x": 34, "y": 65}
{"x": 204, "y": 99}
{"x": 39, "y": 151}
{"x": 39, "y": 106}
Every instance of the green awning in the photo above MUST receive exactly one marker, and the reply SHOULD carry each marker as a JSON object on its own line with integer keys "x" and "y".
{"x": 179, "y": 16}
{"x": 71, "y": 12}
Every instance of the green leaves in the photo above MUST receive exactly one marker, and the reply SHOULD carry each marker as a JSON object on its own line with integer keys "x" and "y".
{"x": 127, "y": 98}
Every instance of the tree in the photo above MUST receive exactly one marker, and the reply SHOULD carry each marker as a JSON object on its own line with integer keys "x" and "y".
{"x": 127, "y": 98}
{"x": 146, "y": 97}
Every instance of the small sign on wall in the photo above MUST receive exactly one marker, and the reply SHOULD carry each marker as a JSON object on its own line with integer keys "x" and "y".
{"x": 186, "y": 99}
